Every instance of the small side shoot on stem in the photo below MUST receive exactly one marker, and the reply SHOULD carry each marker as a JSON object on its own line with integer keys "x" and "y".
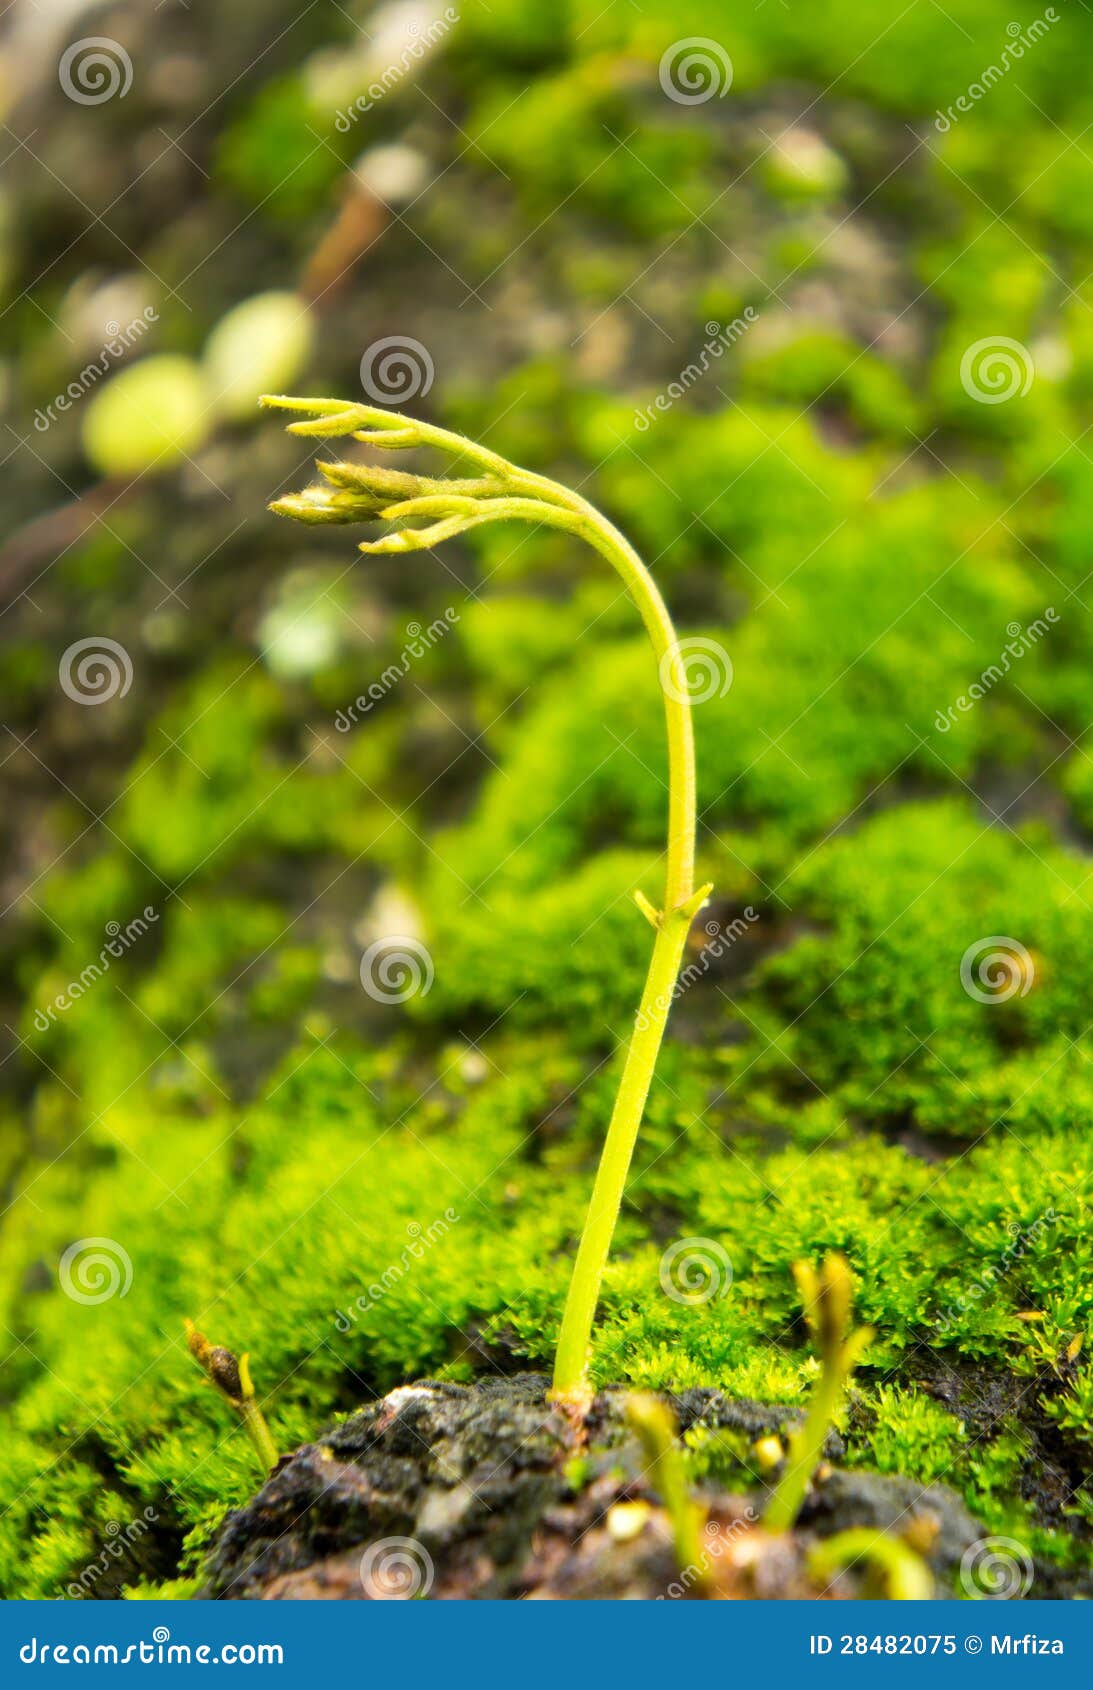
{"x": 826, "y": 1297}
{"x": 422, "y": 511}
{"x": 230, "y": 1375}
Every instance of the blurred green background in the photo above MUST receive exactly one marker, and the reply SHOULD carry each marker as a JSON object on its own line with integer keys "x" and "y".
{"x": 801, "y": 296}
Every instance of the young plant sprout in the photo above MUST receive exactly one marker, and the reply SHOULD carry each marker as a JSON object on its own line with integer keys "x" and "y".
{"x": 231, "y": 1377}
{"x": 655, "y": 1427}
{"x": 826, "y": 1297}
{"x": 422, "y": 511}
{"x": 896, "y": 1570}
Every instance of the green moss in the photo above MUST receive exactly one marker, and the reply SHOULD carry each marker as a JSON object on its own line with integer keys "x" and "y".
{"x": 269, "y": 156}
{"x": 552, "y": 134}
{"x": 918, "y": 1025}
{"x": 912, "y": 1434}
{"x": 264, "y": 1142}
{"x": 830, "y": 369}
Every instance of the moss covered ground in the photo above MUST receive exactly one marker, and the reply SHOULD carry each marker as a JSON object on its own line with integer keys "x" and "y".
{"x": 361, "y": 1192}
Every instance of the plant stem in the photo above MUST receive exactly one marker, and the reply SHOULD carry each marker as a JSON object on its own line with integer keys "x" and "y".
{"x": 804, "y": 1454}
{"x": 533, "y": 498}
{"x": 672, "y": 670}
{"x": 575, "y": 515}
{"x": 504, "y": 492}
{"x": 607, "y": 1192}
{"x": 655, "y": 1426}
{"x": 549, "y": 503}
{"x": 680, "y": 906}
{"x": 826, "y": 1297}
{"x": 257, "y": 1430}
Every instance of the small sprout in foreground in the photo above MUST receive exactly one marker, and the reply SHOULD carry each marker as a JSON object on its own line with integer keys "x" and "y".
{"x": 420, "y": 511}
{"x": 231, "y": 1377}
{"x": 826, "y": 1297}
{"x": 655, "y": 1426}
{"x": 899, "y": 1573}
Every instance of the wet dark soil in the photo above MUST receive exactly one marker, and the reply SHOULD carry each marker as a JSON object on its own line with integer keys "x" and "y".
{"x": 445, "y": 1490}
{"x": 993, "y": 1400}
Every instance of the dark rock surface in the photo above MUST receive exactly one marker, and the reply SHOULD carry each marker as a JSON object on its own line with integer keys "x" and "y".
{"x": 447, "y": 1490}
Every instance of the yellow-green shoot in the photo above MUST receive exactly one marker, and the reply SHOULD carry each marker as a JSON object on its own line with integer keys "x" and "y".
{"x": 655, "y": 1427}
{"x": 422, "y": 511}
{"x": 230, "y": 1375}
{"x": 826, "y": 1297}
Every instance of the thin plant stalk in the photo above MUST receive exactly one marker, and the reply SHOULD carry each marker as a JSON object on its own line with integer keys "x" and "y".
{"x": 504, "y": 492}
{"x": 805, "y": 1453}
{"x": 826, "y": 1297}
{"x": 571, "y": 1359}
{"x": 655, "y": 1427}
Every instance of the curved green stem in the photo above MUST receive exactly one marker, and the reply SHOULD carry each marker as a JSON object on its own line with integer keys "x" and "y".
{"x": 672, "y": 672}
{"x": 571, "y": 1360}
{"x": 359, "y": 492}
{"x": 680, "y": 906}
